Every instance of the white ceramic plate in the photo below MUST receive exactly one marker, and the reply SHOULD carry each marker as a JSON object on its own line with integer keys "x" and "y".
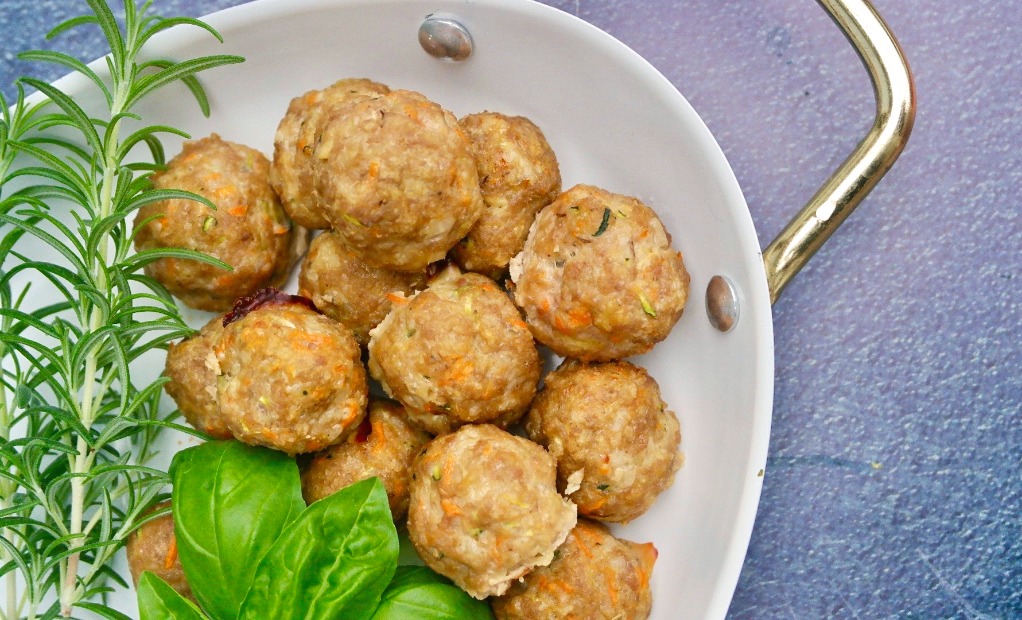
{"x": 613, "y": 121}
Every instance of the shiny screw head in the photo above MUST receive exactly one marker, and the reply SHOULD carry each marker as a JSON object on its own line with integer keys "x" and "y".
{"x": 443, "y": 37}
{"x": 721, "y": 303}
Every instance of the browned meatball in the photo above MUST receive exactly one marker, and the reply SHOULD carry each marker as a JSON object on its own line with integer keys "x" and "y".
{"x": 456, "y": 353}
{"x": 384, "y": 446}
{"x": 153, "y": 548}
{"x": 598, "y": 279}
{"x": 594, "y": 576}
{"x": 192, "y": 370}
{"x": 518, "y": 176}
{"x": 349, "y": 290}
{"x": 615, "y": 442}
{"x": 249, "y": 230}
{"x": 291, "y": 171}
{"x": 290, "y": 378}
{"x": 397, "y": 179}
{"x": 484, "y": 508}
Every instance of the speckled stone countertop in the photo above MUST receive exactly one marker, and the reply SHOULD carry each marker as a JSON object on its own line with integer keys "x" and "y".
{"x": 894, "y": 482}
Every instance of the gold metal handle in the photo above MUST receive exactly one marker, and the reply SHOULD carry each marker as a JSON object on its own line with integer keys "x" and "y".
{"x": 871, "y": 159}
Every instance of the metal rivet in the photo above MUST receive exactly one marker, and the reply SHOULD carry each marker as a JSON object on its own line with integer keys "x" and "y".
{"x": 443, "y": 37}
{"x": 721, "y": 303}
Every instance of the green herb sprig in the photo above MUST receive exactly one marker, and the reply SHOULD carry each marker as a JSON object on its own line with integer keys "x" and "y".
{"x": 251, "y": 549}
{"x": 76, "y": 428}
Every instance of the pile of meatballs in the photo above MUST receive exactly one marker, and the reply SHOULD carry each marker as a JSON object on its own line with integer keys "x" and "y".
{"x": 448, "y": 258}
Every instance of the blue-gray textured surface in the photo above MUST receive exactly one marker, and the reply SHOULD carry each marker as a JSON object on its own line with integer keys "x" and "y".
{"x": 894, "y": 486}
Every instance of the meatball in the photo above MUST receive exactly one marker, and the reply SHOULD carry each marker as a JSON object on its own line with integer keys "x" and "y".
{"x": 349, "y": 290}
{"x": 153, "y": 548}
{"x": 291, "y": 170}
{"x": 616, "y": 444}
{"x": 518, "y": 176}
{"x": 484, "y": 508}
{"x": 598, "y": 279}
{"x": 594, "y": 576}
{"x": 290, "y": 378}
{"x": 384, "y": 446}
{"x": 248, "y": 230}
{"x": 192, "y": 372}
{"x": 397, "y": 179}
{"x": 456, "y": 353}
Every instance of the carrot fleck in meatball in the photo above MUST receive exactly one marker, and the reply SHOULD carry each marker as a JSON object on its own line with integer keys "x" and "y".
{"x": 153, "y": 548}
{"x": 593, "y": 576}
{"x": 615, "y": 442}
{"x": 349, "y": 290}
{"x": 598, "y": 279}
{"x": 518, "y": 176}
{"x": 290, "y": 378}
{"x": 248, "y": 230}
{"x": 397, "y": 179}
{"x": 192, "y": 372}
{"x": 484, "y": 508}
{"x": 384, "y": 446}
{"x": 297, "y": 133}
{"x": 456, "y": 353}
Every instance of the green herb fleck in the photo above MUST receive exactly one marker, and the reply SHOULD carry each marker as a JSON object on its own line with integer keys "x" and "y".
{"x": 602, "y": 487}
{"x": 435, "y": 473}
{"x": 646, "y": 306}
{"x": 603, "y": 225}
{"x": 351, "y": 219}
{"x": 411, "y": 332}
{"x": 209, "y": 223}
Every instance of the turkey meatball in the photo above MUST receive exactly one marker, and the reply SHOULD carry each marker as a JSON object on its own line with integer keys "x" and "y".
{"x": 384, "y": 446}
{"x": 598, "y": 279}
{"x": 153, "y": 547}
{"x": 518, "y": 176}
{"x": 297, "y": 133}
{"x": 397, "y": 179}
{"x": 289, "y": 378}
{"x": 593, "y": 576}
{"x": 615, "y": 442}
{"x": 484, "y": 508}
{"x": 248, "y": 230}
{"x": 192, "y": 372}
{"x": 349, "y": 290}
{"x": 456, "y": 353}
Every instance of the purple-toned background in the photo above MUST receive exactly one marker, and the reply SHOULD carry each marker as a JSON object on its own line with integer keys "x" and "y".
{"x": 894, "y": 486}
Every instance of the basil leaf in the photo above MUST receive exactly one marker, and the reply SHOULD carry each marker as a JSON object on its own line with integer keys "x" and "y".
{"x": 334, "y": 561}
{"x": 231, "y": 502}
{"x": 418, "y": 593}
{"x": 159, "y": 601}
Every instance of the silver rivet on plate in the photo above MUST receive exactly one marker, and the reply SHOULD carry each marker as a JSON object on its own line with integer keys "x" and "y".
{"x": 721, "y": 303}
{"x": 443, "y": 37}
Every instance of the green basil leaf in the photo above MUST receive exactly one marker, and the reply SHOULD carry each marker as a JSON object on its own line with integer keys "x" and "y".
{"x": 418, "y": 593}
{"x": 231, "y": 502}
{"x": 333, "y": 562}
{"x": 159, "y": 601}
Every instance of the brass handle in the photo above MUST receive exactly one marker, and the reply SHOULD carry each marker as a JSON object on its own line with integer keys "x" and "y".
{"x": 871, "y": 159}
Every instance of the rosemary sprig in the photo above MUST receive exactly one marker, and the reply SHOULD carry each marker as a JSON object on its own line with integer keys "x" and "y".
{"x": 76, "y": 428}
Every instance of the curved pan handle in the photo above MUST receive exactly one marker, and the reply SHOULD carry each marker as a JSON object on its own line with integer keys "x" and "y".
{"x": 871, "y": 159}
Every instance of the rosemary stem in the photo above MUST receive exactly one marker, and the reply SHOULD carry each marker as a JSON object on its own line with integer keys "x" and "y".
{"x": 7, "y": 488}
{"x": 10, "y": 580}
{"x": 82, "y": 461}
